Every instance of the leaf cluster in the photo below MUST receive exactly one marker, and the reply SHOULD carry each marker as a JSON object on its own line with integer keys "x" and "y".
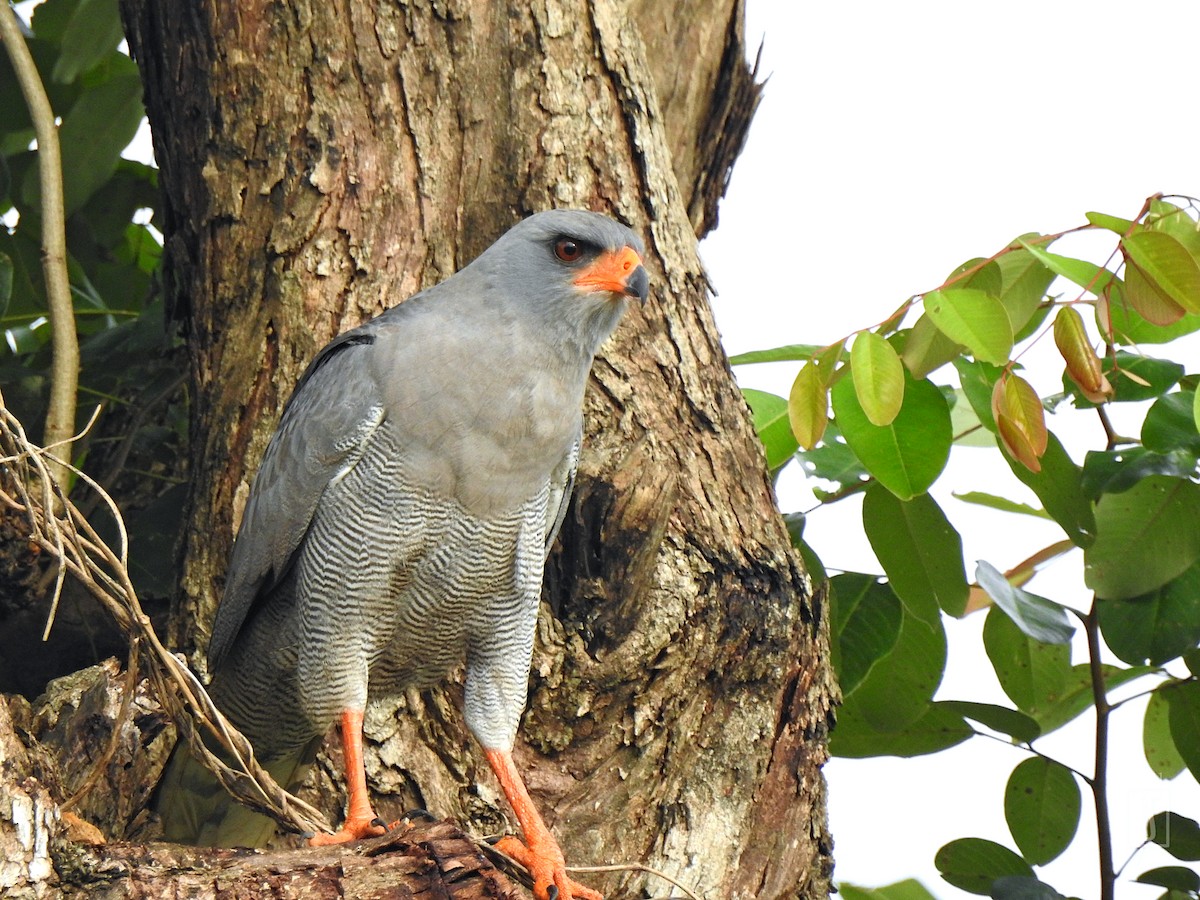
{"x": 866, "y": 415}
{"x": 129, "y": 357}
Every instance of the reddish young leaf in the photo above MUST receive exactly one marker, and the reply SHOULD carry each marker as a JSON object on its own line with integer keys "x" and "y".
{"x": 1020, "y": 420}
{"x": 1083, "y": 365}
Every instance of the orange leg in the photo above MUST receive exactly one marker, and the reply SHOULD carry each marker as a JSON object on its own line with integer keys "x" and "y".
{"x": 360, "y": 818}
{"x": 540, "y": 853}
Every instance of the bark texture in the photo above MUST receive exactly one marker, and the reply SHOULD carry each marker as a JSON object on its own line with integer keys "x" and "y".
{"x": 322, "y": 161}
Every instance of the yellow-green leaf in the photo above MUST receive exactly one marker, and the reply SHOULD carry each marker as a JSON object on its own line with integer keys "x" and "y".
{"x": 1083, "y": 365}
{"x": 927, "y": 349}
{"x": 808, "y": 406}
{"x": 1166, "y": 264}
{"x": 1112, "y": 223}
{"x": 1150, "y": 303}
{"x": 974, "y": 319}
{"x": 878, "y": 378}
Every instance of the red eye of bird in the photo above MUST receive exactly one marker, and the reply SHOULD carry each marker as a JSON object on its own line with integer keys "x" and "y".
{"x": 567, "y": 250}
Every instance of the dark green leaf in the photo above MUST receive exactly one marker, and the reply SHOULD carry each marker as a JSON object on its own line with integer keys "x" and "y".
{"x": 938, "y": 729}
{"x": 1191, "y": 659}
{"x": 1146, "y": 536}
{"x": 1183, "y": 701}
{"x": 789, "y": 353}
{"x": 1114, "y": 471}
{"x": 1022, "y": 887}
{"x": 1170, "y": 425}
{"x": 1159, "y": 748}
{"x": 6, "y": 282}
{"x": 865, "y": 619}
{"x": 991, "y": 501}
{"x": 1178, "y": 835}
{"x": 94, "y": 132}
{"x": 1041, "y": 619}
{"x": 907, "y": 455}
{"x": 771, "y": 423}
{"x": 1176, "y": 877}
{"x": 897, "y": 690}
{"x": 1076, "y": 696}
{"x": 1041, "y": 806}
{"x": 833, "y": 461}
{"x": 919, "y": 550}
{"x": 978, "y": 379}
{"x": 1029, "y": 671}
{"x": 973, "y": 864}
{"x": 92, "y": 33}
{"x": 909, "y": 889}
{"x": 1154, "y": 627}
{"x": 1015, "y": 724}
{"x": 1060, "y": 488}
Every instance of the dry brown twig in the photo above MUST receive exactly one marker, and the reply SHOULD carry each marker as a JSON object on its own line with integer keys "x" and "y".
{"x": 71, "y": 541}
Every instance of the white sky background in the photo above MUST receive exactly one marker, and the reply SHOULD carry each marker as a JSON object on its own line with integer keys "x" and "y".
{"x": 896, "y": 141}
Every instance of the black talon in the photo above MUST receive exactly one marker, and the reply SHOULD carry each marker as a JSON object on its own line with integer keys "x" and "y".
{"x": 553, "y": 892}
{"x": 308, "y": 835}
{"x": 420, "y": 814}
{"x": 377, "y": 822}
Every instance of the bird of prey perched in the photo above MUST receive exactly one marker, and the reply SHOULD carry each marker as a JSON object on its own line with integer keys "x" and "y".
{"x": 401, "y": 517}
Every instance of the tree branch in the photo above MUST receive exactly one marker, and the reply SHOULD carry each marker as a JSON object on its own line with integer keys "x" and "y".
{"x": 1099, "y": 780}
{"x": 64, "y": 380}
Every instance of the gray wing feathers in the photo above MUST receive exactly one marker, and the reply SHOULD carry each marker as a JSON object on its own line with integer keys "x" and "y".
{"x": 325, "y": 429}
{"x": 562, "y": 483}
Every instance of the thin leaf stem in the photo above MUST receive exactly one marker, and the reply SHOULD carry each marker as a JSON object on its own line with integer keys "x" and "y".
{"x": 1099, "y": 780}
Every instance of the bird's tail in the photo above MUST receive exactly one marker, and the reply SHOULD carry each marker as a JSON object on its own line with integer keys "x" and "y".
{"x": 195, "y": 809}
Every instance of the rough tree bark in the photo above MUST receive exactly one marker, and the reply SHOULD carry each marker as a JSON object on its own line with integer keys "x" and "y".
{"x": 321, "y": 161}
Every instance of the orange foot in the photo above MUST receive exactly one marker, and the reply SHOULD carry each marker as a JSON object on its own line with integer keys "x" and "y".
{"x": 546, "y": 864}
{"x": 355, "y": 828}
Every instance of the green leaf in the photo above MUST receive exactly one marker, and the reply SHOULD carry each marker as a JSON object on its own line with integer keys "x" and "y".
{"x": 1059, "y": 486}
{"x": 975, "y": 320}
{"x": 95, "y": 131}
{"x": 6, "y": 281}
{"x": 91, "y": 34}
{"x": 770, "y": 413}
{"x": 1170, "y": 424}
{"x": 1089, "y": 276}
{"x": 808, "y": 406}
{"x": 1114, "y": 471}
{"x": 980, "y": 498}
{"x": 1167, "y": 265}
{"x": 919, "y": 550}
{"x": 1077, "y": 694}
{"x": 1175, "y": 877}
{"x": 978, "y": 379}
{"x": 1031, "y": 673}
{"x": 1183, "y": 703}
{"x": 909, "y": 889}
{"x": 1025, "y": 282}
{"x": 1128, "y": 326}
{"x": 878, "y": 377}
{"x": 788, "y": 353}
{"x": 1111, "y": 223}
{"x": 1041, "y": 619}
{"x": 1152, "y": 377}
{"x": 1145, "y": 537}
{"x": 833, "y": 461}
{"x": 972, "y": 864}
{"x": 1154, "y": 627}
{"x": 939, "y": 728}
{"x": 908, "y": 455}
{"x": 865, "y": 618}
{"x": 1023, "y": 887}
{"x": 1157, "y": 745}
{"x": 1015, "y": 724}
{"x": 926, "y": 348}
{"x": 897, "y": 690}
{"x": 1178, "y": 835}
{"x": 1041, "y": 805}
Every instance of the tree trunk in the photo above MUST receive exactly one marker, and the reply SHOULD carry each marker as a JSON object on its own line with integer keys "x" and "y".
{"x": 323, "y": 161}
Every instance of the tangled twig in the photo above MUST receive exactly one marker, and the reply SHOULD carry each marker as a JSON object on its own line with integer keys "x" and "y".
{"x": 58, "y": 528}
